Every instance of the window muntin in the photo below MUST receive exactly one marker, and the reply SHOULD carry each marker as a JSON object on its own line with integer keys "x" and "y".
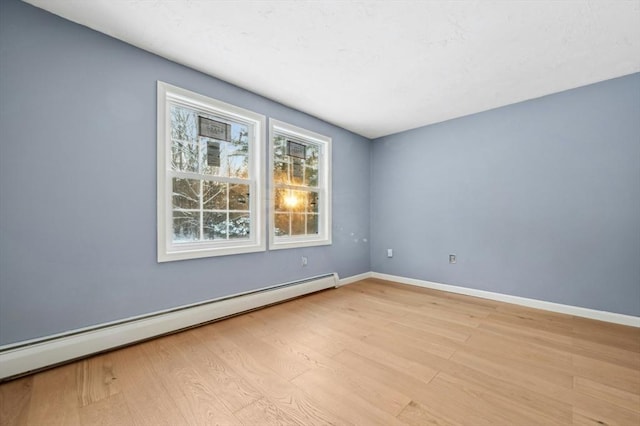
{"x": 209, "y": 177}
{"x": 300, "y": 187}
{"x": 296, "y": 212}
{"x": 205, "y": 210}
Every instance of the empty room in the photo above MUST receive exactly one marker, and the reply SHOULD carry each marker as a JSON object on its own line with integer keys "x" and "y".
{"x": 319, "y": 212}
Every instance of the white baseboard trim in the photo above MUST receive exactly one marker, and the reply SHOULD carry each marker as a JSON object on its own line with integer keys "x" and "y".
{"x": 354, "y": 278}
{"x": 23, "y": 357}
{"x": 517, "y": 300}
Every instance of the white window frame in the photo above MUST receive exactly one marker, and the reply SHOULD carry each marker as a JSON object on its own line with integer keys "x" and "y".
{"x": 323, "y": 237}
{"x": 168, "y": 250}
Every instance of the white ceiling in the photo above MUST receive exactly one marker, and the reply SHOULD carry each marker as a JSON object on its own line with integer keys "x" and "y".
{"x": 381, "y": 67}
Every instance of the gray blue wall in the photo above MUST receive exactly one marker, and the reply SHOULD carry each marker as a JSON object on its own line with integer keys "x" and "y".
{"x": 539, "y": 199}
{"x": 78, "y": 184}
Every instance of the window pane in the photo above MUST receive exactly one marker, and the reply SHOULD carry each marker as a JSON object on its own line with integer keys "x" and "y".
{"x": 184, "y": 143}
{"x": 312, "y": 202}
{"x": 311, "y": 166}
{"x": 311, "y": 176}
{"x": 237, "y": 164}
{"x": 184, "y": 156}
{"x": 239, "y": 225}
{"x": 186, "y": 193}
{"x": 239, "y": 197}
{"x": 186, "y": 226}
{"x": 282, "y": 224}
{"x": 279, "y": 149}
{"x": 298, "y": 225}
{"x": 296, "y": 171}
{"x": 279, "y": 202}
{"x": 312, "y": 155}
{"x": 183, "y": 124}
{"x": 214, "y": 195}
{"x": 214, "y": 225}
{"x": 312, "y": 224}
{"x": 281, "y": 172}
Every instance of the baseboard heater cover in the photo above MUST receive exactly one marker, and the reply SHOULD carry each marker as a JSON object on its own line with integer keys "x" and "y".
{"x": 29, "y": 356}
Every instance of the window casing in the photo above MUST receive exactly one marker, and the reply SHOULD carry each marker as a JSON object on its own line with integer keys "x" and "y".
{"x": 210, "y": 177}
{"x": 300, "y": 183}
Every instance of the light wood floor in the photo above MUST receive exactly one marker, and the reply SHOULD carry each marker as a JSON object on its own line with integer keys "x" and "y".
{"x": 369, "y": 353}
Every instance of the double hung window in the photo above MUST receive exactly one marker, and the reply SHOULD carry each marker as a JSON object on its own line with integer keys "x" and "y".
{"x": 210, "y": 157}
{"x": 300, "y": 165}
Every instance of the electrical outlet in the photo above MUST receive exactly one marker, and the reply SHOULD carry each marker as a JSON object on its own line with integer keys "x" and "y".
{"x": 452, "y": 258}
{"x": 304, "y": 260}
{"x": 389, "y": 252}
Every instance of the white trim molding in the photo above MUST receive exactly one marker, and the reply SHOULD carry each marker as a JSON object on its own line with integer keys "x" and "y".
{"x": 28, "y": 356}
{"x": 578, "y": 311}
{"x": 354, "y": 278}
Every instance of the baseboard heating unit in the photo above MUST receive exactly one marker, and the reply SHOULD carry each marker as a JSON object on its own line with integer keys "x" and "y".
{"x": 29, "y": 356}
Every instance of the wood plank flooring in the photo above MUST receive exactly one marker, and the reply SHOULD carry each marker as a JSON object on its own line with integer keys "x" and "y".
{"x": 370, "y": 353}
